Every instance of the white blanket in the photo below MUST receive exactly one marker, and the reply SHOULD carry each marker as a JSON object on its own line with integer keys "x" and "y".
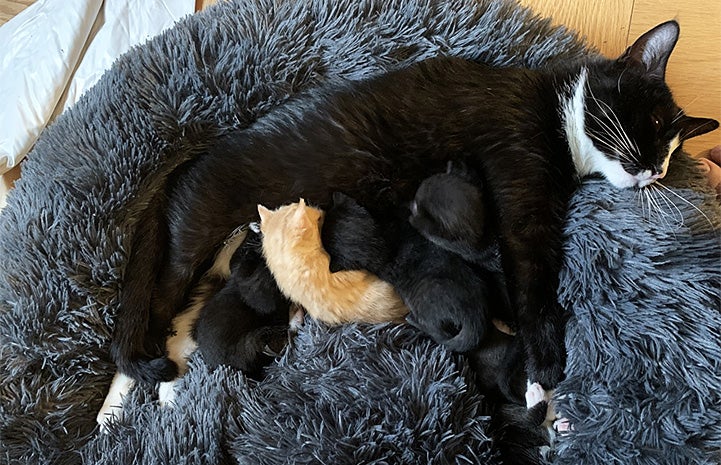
{"x": 56, "y": 49}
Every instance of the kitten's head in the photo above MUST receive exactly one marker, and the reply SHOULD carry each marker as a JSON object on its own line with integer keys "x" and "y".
{"x": 621, "y": 119}
{"x": 448, "y": 209}
{"x": 290, "y": 227}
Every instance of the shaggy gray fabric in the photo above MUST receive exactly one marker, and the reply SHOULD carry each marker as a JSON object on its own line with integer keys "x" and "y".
{"x": 644, "y": 344}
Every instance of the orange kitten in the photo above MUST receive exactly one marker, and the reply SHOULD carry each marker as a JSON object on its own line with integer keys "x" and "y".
{"x": 295, "y": 255}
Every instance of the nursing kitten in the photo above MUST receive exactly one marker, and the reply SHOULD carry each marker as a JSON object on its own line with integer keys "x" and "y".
{"x": 519, "y": 416}
{"x": 237, "y": 317}
{"x": 531, "y": 135}
{"x": 448, "y": 298}
{"x": 245, "y": 324}
{"x": 295, "y": 256}
{"x": 449, "y": 209}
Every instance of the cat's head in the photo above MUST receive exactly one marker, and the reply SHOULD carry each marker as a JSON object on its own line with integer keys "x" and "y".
{"x": 290, "y": 225}
{"x": 621, "y": 119}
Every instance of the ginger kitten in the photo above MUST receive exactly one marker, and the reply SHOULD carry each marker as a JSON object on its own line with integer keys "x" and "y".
{"x": 295, "y": 256}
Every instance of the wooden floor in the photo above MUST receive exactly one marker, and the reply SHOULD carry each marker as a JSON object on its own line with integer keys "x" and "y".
{"x": 694, "y": 72}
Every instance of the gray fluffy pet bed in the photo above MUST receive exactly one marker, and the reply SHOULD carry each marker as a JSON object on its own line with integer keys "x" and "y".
{"x": 644, "y": 343}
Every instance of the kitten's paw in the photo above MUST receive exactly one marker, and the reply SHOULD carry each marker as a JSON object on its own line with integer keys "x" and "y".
{"x": 535, "y": 394}
{"x": 296, "y": 318}
{"x": 166, "y": 393}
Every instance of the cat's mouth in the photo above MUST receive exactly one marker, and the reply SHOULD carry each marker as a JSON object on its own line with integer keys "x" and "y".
{"x": 644, "y": 178}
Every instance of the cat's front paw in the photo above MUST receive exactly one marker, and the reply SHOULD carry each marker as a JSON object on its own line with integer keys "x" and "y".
{"x": 166, "y": 393}
{"x": 535, "y": 394}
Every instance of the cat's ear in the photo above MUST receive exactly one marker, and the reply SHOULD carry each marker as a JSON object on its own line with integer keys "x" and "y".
{"x": 692, "y": 127}
{"x": 263, "y": 212}
{"x": 652, "y": 50}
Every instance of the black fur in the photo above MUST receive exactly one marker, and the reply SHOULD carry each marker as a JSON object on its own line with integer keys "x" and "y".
{"x": 448, "y": 299}
{"x": 377, "y": 139}
{"x": 138, "y": 345}
{"x": 449, "y": 209}
{"x": 519, "y": 433}
{"x": 355, "y": 241}
{"x": 245, "y": 324}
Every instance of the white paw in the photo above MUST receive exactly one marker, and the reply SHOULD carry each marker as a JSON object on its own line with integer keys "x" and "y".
{"x": 562, "y": 426}
{"x": 112, "y": 409}
{"x": 534, "y": 394}
{"x": 166, "y": 393}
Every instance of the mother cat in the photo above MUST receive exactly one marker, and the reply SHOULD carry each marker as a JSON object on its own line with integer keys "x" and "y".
{"x": 531, "y": 134}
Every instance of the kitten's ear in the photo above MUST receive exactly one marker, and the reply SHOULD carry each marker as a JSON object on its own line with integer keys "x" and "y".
{"x": 692, "y": 127}
{"x": 300, "y": 215}
{"x": 653, "y": 49}
{"x": 263, "y": 212}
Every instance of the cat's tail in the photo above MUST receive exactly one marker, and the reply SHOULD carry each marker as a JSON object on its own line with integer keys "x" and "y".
{"x": 149, "y": 370}
{"x": 138, "y": 342}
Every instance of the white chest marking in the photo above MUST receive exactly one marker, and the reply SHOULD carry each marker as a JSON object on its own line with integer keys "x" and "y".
{"x": 586, "y": 157}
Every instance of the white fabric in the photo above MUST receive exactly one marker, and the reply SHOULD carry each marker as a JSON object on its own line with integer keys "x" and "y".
{"x": 55, "y": 50}
{"x": 40, "y": 48}
{"x": 120, "y": 25}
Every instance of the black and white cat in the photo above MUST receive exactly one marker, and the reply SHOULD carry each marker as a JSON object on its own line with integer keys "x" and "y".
{"x": 531, "y": 135}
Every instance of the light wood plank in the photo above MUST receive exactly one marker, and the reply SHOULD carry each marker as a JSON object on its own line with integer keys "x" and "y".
{"x": 9, "y": 8}
{"x": 7, "y": 182}
{"x": 603, "y": 23}
{"x": 201, "y": 4}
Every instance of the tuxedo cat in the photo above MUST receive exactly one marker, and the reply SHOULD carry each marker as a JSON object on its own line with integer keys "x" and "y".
{"x": 530, "y": 134}
{"x": 293, "y": 251}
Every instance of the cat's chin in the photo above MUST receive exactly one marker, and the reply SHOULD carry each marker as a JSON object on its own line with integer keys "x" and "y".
{"x": 613, "y": 172}
{"x": 636, "y": 182}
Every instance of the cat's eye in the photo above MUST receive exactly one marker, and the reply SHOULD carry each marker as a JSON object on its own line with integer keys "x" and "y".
{"x": 656, "y": 122}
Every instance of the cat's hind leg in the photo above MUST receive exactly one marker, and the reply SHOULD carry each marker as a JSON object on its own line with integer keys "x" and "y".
{"x": 112, "y": 409}
{"x": 180, "y": 346}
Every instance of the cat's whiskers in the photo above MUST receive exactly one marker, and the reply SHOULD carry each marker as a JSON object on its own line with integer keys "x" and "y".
{"x": 617, "y": 127}
{"x": 640, "y": 197}
{"x": 708, "y": 220}
{"x": 662, "y": 191}
{"x": 622, "y": 145}
{"x": 678, "y": 116}
{"x": 671, "y": 208}
{"x": 611, "y": 144}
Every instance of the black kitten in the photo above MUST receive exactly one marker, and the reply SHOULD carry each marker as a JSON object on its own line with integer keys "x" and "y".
{"x": 448, "y": 298}
{"x": 449, "y": 209}
{"x": 355, "y": 240}
{"x": 245, "y": 324}
{"x": 530, "y": 134}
